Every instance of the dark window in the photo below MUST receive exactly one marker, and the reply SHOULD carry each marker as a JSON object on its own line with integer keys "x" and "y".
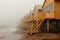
{"x": 51, "y": 7}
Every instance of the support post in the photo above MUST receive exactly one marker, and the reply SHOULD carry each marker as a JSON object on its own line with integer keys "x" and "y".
{"x": 47, "y": 25}
{"x": 37, "y": 26}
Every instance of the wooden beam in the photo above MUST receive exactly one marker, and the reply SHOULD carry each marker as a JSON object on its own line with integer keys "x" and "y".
{"x": 47, "y": 25}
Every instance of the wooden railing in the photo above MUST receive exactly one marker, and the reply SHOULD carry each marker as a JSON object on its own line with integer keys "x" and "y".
{"x": 34, "y": 27}
{"x": 38, "y": 25}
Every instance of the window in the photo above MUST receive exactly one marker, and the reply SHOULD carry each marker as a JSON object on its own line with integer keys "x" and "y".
{"x": 48, "y": 8}
{"x": 43, "y": 9}
{"x": 35, "y": 15}
{"x": 51, "y": 7}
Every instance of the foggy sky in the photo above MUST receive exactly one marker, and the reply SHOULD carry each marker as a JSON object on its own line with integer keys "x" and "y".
{"x": 11, "y": 11}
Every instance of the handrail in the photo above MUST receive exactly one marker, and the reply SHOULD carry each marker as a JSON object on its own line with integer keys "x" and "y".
{"x": 40, "y": 20}
{"x": 31, "y": 25}
{"x": 39, "y": 24}
{"x": 34, "y": 27}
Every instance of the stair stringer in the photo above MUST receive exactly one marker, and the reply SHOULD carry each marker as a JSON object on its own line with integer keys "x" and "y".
{"x": 38, "y": 26}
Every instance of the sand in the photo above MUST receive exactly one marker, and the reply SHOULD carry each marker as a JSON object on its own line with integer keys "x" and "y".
{"x": 42, "y": 36}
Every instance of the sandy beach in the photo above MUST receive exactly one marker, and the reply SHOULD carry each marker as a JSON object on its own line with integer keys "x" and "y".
{"x": 42, "y": 36}
{"x": 14, "y": 34}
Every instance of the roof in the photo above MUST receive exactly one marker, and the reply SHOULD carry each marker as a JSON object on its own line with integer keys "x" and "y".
{"x": 43, "y": 3}
{"x": 46, "y": 0}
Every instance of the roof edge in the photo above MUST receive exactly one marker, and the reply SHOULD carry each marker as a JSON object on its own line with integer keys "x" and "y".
{"x": 43, "y": 3}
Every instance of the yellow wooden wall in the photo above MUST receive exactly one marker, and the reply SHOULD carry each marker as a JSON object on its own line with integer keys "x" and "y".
{"x": 47, "y": 2}
{"x": 35, "y": 12}
{"x": 57, "y": 9}
{"x": 51, "y": 14}
{"x": 40, "y": 14}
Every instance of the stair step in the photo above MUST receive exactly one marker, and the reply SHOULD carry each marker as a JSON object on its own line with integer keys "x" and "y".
{"x": 38, "y": 25}
{"x": 35, "y": 26}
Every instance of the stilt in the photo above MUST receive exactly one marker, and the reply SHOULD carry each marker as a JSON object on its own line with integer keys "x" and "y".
{"x": 47, "y": 25}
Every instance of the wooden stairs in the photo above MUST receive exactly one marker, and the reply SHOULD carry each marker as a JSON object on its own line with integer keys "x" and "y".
{"x": 35, "y": 26}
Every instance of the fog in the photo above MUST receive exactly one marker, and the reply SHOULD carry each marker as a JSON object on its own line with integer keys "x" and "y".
{"x": 11, "y": 11}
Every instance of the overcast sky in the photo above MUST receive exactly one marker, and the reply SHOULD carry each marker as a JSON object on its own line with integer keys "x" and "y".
{"x": 11, "y": 11}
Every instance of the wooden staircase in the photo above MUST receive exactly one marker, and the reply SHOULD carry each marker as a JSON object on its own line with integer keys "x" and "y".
{"x": 35, "y": 26}
{"x": 38, "y": 25}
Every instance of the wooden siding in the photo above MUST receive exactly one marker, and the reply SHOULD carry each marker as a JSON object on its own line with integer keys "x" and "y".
{"x": 50, "y": 14}
{"x": 57, "y": 9}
